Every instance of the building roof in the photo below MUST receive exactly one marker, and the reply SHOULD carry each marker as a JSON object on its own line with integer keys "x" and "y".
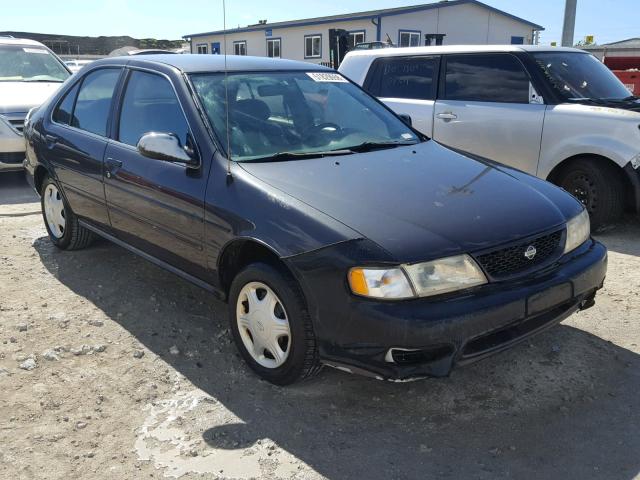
{"x": 192, "y": 63}
{"x": 628, "y": 43}
{"x": 387, "y": 12}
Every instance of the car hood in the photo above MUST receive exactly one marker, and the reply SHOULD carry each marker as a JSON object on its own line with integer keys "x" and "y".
{"x": 421, "y": 202}
{"x": 16, "y": 97}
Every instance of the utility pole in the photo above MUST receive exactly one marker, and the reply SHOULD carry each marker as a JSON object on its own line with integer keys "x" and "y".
{"x": 569, "y": 23}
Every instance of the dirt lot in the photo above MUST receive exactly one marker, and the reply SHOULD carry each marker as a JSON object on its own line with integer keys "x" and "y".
{"x": 111, "y": 368}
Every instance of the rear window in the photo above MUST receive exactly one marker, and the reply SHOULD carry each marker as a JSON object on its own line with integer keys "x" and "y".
{"x": 486, "y": 78}
{"x": 404, "y": 77}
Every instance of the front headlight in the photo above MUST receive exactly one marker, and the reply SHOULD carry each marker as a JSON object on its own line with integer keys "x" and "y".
{"x": 418, "y": 280}
{"x": 6, "y": 130}
{"x": 388, "y": 283}
{"x": 445, "y": 275}
{"x": 578, "y": 231}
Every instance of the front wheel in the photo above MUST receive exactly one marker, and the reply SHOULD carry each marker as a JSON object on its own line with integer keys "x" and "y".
{"x": 62, "y": 225}
{"x": 598, "y": 185}
{"x": 271, "y": 325}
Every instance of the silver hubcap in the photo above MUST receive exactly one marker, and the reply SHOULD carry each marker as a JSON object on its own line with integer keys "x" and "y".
{"x": 263, "y": 325}
{"x": 54, "y": 211}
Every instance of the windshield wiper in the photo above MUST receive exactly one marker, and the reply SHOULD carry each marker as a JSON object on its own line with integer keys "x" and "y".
{"x": 43, "y": 80}
{"x": 370, "y": 146}
{"x": 283, "y": 156}
{"x": 603, "y": 101}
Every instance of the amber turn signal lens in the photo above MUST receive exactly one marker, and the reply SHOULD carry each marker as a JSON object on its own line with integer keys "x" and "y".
{"x": 358, "y": 282}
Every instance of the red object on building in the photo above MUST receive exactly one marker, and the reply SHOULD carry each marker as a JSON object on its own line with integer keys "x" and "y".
{"x": 627, "y": 69}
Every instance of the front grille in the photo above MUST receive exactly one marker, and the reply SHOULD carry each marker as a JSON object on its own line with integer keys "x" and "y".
{"x": 18, "y": 124}
{"x": 17, "y": 157}
{"x": 512, "y": 260}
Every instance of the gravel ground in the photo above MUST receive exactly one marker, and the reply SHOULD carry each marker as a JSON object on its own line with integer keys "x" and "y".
{"x": 111, "y": 368}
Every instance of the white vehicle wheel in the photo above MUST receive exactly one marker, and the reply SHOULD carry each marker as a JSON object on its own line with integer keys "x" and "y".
{"x": 54, "y": 211}
{"x": 263, "y": 325}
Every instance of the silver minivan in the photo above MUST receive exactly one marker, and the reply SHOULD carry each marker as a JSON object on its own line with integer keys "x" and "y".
{"x": 557, "y": 113}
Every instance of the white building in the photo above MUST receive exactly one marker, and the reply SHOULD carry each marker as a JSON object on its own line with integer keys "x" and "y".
{"x": 623, "y": 48}
{"x": 454, "y": 22}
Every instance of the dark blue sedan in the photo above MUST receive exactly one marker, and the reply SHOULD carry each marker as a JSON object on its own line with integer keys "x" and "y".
{"x": 337, "y": 234}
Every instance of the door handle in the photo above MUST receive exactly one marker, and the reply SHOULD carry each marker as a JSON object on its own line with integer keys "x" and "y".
{"x": 447, "y": 116}
{"x": 51, "y": 138}
{"x": 111, "y": 165}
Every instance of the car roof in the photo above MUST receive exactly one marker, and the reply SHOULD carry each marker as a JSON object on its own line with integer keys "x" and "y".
{"x": 191, "y": 63}
{"x": 461, "y": 49}
{"x": 19, "y": 41}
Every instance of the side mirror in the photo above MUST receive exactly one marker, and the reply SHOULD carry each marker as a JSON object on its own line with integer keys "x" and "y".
{"x": 405, "y": 118}
{"x": 166, "y": 147}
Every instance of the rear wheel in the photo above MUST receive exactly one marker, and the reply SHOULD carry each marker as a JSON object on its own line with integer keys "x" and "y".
{"x": 271, "y": 325}
{"x": 598, "y": 185}
{"x": 62, "y": 225}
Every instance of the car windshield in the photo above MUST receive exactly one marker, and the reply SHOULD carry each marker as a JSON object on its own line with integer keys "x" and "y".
{"x": 287, "y": 115}
{"x": 581, "y": 76}
{"x": 30, "y": 63}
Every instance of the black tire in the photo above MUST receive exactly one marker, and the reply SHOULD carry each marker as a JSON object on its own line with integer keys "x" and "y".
{"x": 75, "y": 236}
{"x": 302, "y": 362}
{"x": 598, "y": 185}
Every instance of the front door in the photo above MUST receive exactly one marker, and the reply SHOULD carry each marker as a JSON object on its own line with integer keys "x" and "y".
{"x": 155, "y": 206}
{"x": 487, "y": 106}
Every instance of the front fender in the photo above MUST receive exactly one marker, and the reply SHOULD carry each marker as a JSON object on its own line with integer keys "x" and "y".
{"x": 239, "y": 206}
{"x": 571, "y": 130}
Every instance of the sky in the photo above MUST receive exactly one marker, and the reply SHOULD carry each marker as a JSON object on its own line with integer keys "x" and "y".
{"x": 171, "y": 19}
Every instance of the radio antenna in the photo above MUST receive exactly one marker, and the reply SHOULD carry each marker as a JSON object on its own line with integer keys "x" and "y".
{"x": 226, "y": 86}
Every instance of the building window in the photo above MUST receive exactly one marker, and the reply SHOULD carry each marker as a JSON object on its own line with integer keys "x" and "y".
{"x": 240, "y": 48}
{"x": 409, "y": 38}
{"x": 356, "y": 37}
{"x": 202, "y": 49}
{"x": 313, "y": 46}
{"x": 517, "y": 40}
{"x": 273, "y": 47}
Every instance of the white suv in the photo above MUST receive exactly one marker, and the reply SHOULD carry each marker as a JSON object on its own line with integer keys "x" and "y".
{"x": 557, "y": 113}
{"x": 29, "y": 74}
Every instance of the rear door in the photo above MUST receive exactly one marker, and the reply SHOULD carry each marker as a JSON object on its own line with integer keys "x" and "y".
{"x": 76, "y": 139}
{"x": 487, "y": 106}
{"x": 155, "y": 206}
{"x": 407, "y": 85}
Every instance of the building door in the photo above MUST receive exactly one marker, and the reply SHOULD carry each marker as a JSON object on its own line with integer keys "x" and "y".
{"x": 215, "y": 48}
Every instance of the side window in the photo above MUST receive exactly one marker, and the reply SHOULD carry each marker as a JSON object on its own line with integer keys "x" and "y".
{"x": 94, "y": 101}
{"x": 150, "y": 105}
{"x": 64, "y": 110}
{"x": 486, "y": 78}
{"x": 407, "y": 77}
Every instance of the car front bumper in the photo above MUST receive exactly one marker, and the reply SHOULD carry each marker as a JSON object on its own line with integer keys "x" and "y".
{"x": 424, "y": 337}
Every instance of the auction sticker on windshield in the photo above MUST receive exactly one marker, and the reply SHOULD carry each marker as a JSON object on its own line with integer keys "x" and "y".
{"x": 35, "y": 50}
{"x": 327, "y": 77}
